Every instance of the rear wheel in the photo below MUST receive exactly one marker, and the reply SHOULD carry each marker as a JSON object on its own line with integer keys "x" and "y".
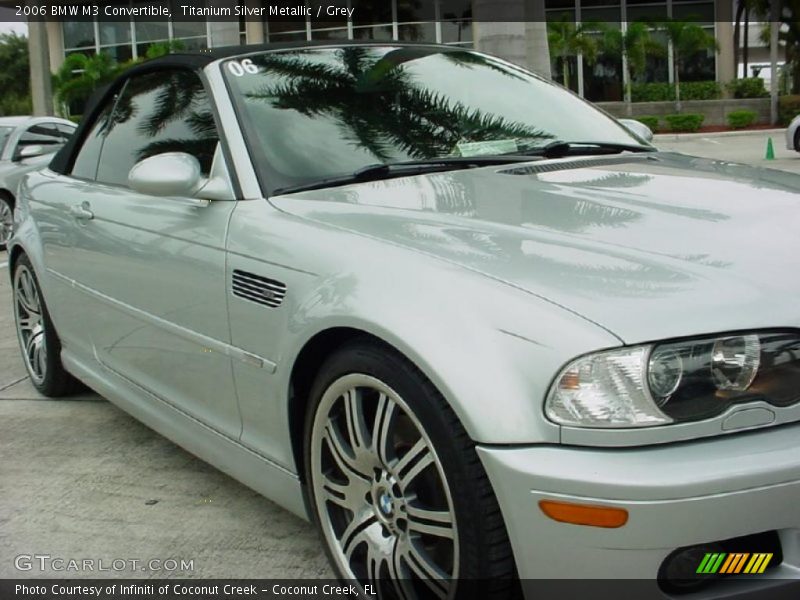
{"x": 395, "y": 485}
{"x": 797, "y": 140}
{"x": 6, "y": 220}
{"x": 41, "y": 348}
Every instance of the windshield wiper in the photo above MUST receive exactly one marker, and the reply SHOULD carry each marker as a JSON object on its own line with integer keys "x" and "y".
{"x": 560, "y": 148}
{"x": 409, "y": 167}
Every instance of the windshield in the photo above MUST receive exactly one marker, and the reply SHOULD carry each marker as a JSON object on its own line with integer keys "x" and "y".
{"x": 320, "y": 113}
{"x": 4, "y": 133}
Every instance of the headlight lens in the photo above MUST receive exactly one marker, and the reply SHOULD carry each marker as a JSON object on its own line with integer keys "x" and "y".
{"x": 643, "y": 386}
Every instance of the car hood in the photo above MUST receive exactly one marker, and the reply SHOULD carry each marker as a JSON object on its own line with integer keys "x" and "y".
{"x": 649, "y": 246}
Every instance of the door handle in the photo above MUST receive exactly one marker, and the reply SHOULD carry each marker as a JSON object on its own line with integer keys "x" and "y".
{"x": 81, "y": 211}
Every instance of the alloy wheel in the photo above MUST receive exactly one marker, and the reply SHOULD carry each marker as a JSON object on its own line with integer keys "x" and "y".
{"x": 6, "y": 221}
{"x": 380, "y": 492}
{"x": 30, "y": 323}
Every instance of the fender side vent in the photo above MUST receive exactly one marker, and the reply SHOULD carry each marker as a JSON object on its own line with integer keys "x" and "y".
{"x": 258, "y": 289}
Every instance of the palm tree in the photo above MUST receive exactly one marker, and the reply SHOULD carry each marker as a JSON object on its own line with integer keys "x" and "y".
{"x": 788, "y": 35}
{"x": 158, "y": 49}
{"x": 374, "y": 100}
{"x": 744, "y": 8}
{"x": 567, "y": 39}
{"x": 80, "y": 74}
{"x": 686, "y": 38}
{"x": 632, "y": 47}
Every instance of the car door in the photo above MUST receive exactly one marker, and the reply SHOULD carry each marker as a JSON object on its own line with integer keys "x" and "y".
{"x": 151, "y": 269}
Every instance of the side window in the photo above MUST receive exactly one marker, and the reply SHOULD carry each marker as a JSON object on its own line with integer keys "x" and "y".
{"x": 85, "y": 163}
{"x": 42, "y": 134}
{"x": 164, "y": 111}
{"x": 65, "y": 131}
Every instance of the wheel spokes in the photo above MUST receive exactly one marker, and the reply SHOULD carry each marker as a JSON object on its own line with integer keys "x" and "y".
{"x": 430, "y": 522}
{"x": 357, "y": 533}
{"x": 416, "y": 460}
{"x": 356, "y": 426}
{"x": 383, "y": 501}
{"x": 341, "y": 495}
{"x": 30, "y": 324}
{"x": 381, "y": 438}
{"x": 423, "y": 566}
{"x": 26, "y": 294}
{"x": 6, "y": 222}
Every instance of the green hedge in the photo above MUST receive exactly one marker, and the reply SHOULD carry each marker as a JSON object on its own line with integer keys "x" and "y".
{"x": 664, "y": 92}
{"x": 741, "y": 118}
{"x": 750, "y": 87}
{"x": 684, "y": 122}
{"x": 651, "y": 122}
{"x": 11, "y": 105}
{"x": 788, "y": 109}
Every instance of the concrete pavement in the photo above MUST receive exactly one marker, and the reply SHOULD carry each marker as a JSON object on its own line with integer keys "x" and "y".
{"x": 744, "y": 147}
{"x": 80, "y": 479}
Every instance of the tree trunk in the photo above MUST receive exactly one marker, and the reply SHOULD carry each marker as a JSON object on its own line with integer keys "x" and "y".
{"x": 773, "y": 61}
{"x": 565, "y": 70}
{"x": 737, "y": 32}
{"x": 628, "y": 93}
{"x": 678, "y": 105}
{"x": 746, "y": 49}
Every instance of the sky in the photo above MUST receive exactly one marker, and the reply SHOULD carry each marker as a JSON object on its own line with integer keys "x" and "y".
{"x": 7, "y": 26}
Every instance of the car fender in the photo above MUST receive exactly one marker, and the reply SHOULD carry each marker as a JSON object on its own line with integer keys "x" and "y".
{"x": 491, "y": 349}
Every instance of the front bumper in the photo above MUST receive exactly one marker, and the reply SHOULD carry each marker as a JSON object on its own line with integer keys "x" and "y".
{"x": 676, "y": 495}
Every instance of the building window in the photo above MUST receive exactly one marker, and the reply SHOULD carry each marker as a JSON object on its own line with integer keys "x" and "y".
{"x": 125, "y": 40}
{"x": 436, "y": 21}
{"x": 79, "y": 34}
{"x": 601, "y": 80}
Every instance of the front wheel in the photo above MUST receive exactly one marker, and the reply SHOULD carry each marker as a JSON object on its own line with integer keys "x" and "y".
{"x": 396, "y": 487}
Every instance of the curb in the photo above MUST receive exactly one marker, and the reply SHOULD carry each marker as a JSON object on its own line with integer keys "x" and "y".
{"x": 679, "y": 137}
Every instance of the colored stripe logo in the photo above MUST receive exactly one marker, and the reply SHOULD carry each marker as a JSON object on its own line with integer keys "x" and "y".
{"x": 735, "y": 562}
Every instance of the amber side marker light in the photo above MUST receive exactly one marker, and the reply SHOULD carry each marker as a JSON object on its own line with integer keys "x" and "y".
{"x": 584, "y": 514}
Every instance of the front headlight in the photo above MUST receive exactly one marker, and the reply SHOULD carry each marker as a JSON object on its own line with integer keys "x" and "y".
{"x": 657, "y": 384}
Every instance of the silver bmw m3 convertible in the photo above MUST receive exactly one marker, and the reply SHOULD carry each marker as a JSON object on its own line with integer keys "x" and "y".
{"x": 471, "y": 326}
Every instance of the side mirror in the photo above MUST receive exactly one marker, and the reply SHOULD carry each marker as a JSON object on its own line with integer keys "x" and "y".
{"x": 638, "y": 129}
{"x": 167, "y": 174}
{"x": 31, "y": 151}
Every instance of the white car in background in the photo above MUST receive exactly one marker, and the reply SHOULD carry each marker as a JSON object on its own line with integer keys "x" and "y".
{"x": 26, "y": 143}
{"x": 793, "y": 135}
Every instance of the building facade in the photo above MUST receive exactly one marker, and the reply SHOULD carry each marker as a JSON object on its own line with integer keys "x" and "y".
{"x": 512, "y": 29}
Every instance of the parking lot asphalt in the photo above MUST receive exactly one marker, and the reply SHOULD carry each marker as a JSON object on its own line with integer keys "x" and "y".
{"x": 748, "y": 147}
{"x": 80, "y": 479}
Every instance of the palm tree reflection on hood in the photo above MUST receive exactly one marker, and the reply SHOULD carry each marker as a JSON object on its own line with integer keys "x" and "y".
{"x": 378, "y": 106}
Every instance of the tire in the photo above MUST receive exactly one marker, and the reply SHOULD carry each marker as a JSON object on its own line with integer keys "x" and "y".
{"x": 797, "y": 140}
{"x": 6, "y": 220}
{"x": 372, "y": 411}
{"x": 39, "y": 343}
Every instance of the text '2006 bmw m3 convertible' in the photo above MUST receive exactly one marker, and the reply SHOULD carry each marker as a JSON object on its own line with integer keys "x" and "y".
{"x": 471, "y": 326}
